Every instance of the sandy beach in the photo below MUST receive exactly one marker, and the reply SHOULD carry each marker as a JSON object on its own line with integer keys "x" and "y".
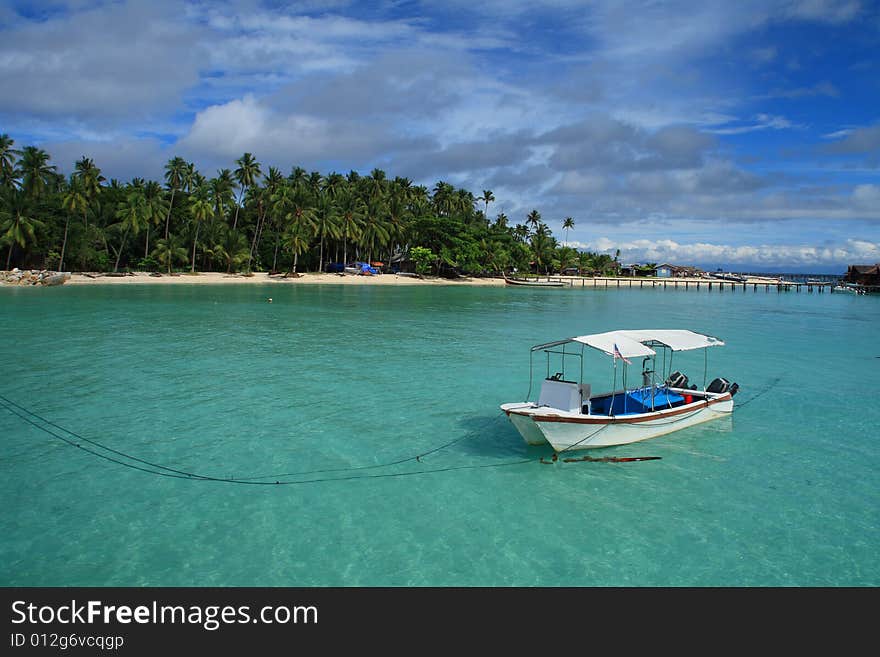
{"x": 262, "y": 278}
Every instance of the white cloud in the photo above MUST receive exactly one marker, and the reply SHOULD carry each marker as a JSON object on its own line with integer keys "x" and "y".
{"x": 759, "y": 122}
{"x": 118, "y": 62}
{"x": 665, "y": 250}
{"x": 245, "y": 125}
{"x": 867, "y": 196}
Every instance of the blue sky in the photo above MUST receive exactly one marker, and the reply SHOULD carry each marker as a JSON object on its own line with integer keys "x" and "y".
{"x": 737, "y": 134}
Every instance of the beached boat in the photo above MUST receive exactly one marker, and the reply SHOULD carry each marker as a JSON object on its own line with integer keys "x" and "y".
{"x": 728, "y": 276}
{"x": 532, "y": 282}
{"x": 569, "y": 416}
{"x": 361, "y": 269}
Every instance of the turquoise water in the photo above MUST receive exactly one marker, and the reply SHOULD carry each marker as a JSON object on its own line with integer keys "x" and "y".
{"x": 329, "y": 380}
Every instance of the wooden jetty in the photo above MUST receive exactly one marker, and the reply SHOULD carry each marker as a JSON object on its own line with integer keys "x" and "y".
{"x": 686, "y": 284}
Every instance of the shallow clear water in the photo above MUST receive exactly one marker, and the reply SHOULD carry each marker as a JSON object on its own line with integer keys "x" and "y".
{"x": 329, "y": 380}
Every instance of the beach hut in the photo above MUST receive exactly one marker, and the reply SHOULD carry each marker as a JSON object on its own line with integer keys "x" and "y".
{"x": 664, "y": 271}
{"x": 868, "y": 275}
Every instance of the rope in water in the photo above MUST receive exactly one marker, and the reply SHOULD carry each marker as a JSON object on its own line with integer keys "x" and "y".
{"x": 129, "y": 461}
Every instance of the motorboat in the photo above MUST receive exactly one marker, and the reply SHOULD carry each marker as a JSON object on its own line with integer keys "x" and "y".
{"x": 570, "y": 416}
{"x": 849, "y": 288}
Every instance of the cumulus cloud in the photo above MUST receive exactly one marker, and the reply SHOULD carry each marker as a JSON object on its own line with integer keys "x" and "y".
{"x": 574, "y": 109}
{"x": 799, "y": 255}
{"x": 609, "y": 143}
{"x": 221, "y": 133}
{"x": 115, "y": 62}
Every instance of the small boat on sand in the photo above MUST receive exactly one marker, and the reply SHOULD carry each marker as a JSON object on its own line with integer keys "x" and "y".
{"x": 569, "y": 416}
{"x": 532, "y": 282}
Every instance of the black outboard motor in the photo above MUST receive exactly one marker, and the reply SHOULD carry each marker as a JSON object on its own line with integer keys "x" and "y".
{"x": 720, "y": 385}
{"x": 677, "y": 380}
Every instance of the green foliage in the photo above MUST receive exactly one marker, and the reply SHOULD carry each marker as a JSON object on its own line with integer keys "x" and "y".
{"x": 423, "y": 258}
{"x": 148, "y": 264}
{"x": 242, "y": 218}
{"x": 53, "y": 258}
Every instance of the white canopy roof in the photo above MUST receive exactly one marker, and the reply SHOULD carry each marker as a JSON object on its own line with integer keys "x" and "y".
{"x": 638, "y": 343}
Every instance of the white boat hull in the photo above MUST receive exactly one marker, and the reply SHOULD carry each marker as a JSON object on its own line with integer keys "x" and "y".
{"x": 570, "y": 431}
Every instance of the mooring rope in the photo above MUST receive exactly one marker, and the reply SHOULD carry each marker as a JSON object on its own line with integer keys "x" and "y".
{"x": 165, "y": 471}
{"x": 149, "y": 467}
{"x": 763, "y": 391}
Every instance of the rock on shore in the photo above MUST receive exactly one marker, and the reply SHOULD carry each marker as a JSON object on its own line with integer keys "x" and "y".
{"x": 32, "y": 277}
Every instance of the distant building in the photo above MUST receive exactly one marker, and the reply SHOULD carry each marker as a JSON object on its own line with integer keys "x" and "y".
{"x": 863, "y": 274}
{"x": 660, "y": 271}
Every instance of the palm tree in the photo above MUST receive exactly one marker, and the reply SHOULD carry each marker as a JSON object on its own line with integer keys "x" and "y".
{"x": 90, "y": 178}
{"x": 156, "y": 207}
{"x": 334, "y": 184}
{"x": 487, "y": 198}
{"x": 273, "y": 180}
{"x": 501, "y": 221}
{"x": 374, "y": 233}
{"x": 201, "y": 209}
{"x": 175, "y": 171}
{"x": 326, "y": 223}
{"x": 376, "y": 184}
{"x": 89, "y": 175}
{"x": 398, "y": 216}
{"x": 314, "y": 184}
{"x": 74, "y": 201}
{"x": 585, "y": 261}
{"x": 232, "y": 247}
{"x": 295, "y": 215}
{"x": 567, "y": 256}
{"x": 568, "y": 223}
{"x": 8, "y": 154}
{"x": 444, "y": 198}
{"x": 296, "y": 240}
{"x": 37, "y": 175}
{"x": 18, "y": 227}
{"x": 297, "y": 177}
{"x": 222, "y": 192}
{"x": 131, "y": 214}
{"x": 246, "y": 174}
{"x": 168, "y": 251}
{"x": 543, "y": 246}
{"x": 534, "y": 220}
{"x": 351, "y": 213}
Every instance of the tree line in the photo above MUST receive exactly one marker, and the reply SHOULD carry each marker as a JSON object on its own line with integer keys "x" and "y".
{"x": 246, "y": 219}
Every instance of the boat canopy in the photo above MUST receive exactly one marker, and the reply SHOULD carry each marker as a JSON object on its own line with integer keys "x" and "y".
{"x": 638, "y": 343}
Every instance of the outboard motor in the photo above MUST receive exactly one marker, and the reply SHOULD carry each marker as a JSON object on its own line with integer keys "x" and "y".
{"x": 677, "y": 380}
{"x": 720, "y": 385}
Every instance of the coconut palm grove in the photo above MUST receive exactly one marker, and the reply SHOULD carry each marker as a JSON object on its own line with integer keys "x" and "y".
{"x": 248, "y": 218}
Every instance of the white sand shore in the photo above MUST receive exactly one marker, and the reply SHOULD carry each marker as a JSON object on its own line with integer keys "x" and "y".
{"x": 217, "y": 278}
